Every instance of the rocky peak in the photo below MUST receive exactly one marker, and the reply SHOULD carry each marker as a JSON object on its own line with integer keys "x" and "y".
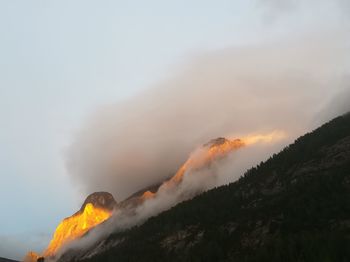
{"x": 103, "y": 200}
{"x": 220, "y": 141}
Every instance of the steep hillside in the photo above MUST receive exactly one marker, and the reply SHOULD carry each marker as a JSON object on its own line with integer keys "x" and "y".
{"x": 96, "y": 208}
{"x": 293, "y": 207}
{"x": 6, "y": 260}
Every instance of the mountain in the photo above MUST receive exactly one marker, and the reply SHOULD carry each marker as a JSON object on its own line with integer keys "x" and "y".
{"x": 100, "y": 213}
{"x": 6, "y": 260}
{"x": 102, "y": 200}
{"x": 293, "y": 207}
{"x": 96, "y": 208}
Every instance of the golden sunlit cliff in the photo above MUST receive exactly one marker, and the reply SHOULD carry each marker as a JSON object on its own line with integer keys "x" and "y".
{"x": 97, "y": 208}
{"x": 75, "y": 226}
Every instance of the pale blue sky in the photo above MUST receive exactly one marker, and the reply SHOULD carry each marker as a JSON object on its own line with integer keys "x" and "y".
{"x": 59, "y": 60}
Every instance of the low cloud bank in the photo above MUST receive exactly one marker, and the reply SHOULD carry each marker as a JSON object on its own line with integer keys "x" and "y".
{"x": 205, "y": 169}
{"x": 234, "y": 91}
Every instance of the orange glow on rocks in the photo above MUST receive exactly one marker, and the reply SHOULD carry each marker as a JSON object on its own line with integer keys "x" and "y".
{"x": 215, "y": 149}
{"x": 75, "y": 226}
{"x": 219, "y": 148}
{"x": 147, "y": 195}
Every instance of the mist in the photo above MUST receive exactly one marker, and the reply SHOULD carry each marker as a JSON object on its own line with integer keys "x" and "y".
{"x": 289, "y": 86}
{"x": 199, "y": 176}
{"x": 235, "y": 91}
{"x": 292, "y": 85}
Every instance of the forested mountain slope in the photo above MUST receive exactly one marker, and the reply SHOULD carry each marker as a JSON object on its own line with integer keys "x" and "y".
{"x": 293, "y": 207}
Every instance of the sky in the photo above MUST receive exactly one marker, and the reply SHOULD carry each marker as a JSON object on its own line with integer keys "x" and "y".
{"x": 61, "y": 60}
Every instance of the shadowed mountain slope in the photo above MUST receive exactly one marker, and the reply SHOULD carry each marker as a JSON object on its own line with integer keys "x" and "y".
{"x": 7, "y": 260}
{"x": 293, "y": 207}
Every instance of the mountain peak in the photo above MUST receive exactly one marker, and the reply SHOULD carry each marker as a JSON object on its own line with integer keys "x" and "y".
{"x": 222, "y": 140}
{"x": 103, "y": 200}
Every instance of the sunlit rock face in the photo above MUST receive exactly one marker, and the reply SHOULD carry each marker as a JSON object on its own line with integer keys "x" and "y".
{"x": 213, "y": 150}
{"x": 96, "y": 209}
{"x": 102, "y": 200}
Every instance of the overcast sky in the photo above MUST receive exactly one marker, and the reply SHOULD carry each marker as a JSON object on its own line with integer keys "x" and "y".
{"x": 60, "y": 60}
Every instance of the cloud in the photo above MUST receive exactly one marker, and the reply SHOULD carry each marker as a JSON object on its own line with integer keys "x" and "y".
{"x": 232, "y": 92}
{"x": 288, "y": 85}
{"x": 203, "y": 170}
{"x": 312, "y": 12}
{"x": 143, "y": 140}
{"x": 338, "y": 105}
